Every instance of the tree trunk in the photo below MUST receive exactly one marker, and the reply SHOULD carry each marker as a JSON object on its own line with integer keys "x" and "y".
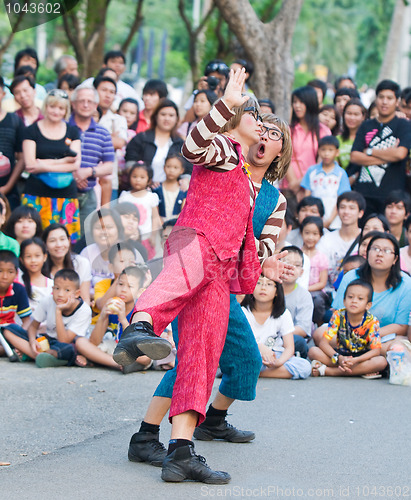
{"x": 392, "y": 48}
{"x": 267, "y": 46}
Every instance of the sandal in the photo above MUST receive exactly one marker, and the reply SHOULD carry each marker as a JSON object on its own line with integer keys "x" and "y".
{"x": 320, "y": 367}
{"x": 371, "y": 376}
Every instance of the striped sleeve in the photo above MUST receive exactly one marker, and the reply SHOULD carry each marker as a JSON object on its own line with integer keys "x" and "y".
{"x": 204, "y": 146}
{"x": 269, "y": 235}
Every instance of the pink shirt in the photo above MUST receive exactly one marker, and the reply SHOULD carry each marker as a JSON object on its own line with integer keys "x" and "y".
{"x": 318, "y": 263}
{"x": 305, "y": 148}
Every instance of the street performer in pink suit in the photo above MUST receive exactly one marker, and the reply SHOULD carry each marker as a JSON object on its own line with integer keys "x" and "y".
{"x": 210, "y": 253}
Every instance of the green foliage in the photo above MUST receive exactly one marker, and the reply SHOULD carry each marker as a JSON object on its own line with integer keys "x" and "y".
{"x": 301, "y": 78}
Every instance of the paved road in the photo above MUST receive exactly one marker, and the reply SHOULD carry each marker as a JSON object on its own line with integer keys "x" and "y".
{"x": 65, "y": 432}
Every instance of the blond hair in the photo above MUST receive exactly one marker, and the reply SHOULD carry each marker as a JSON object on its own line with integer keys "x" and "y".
{"x": 280, "y": 164}
{"x": 52, "y": 99}
{"x": 238, "y": 111}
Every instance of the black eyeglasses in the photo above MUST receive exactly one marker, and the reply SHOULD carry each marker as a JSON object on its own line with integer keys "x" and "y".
{"x": 59, "y": 93}
{"x": 273, "y": 133}
{"x": 217, "y": 67}
{"x": 253, "y": 111}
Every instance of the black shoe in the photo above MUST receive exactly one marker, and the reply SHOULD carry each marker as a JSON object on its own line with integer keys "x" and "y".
{"x": 183, "y": 463}
{"x": 213, "y": 428}
{"x": 146, "y": 447}
{"x": 139, "y": 339}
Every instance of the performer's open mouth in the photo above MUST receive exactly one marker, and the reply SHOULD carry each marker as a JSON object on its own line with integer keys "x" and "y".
{"x": 261, "y": 150}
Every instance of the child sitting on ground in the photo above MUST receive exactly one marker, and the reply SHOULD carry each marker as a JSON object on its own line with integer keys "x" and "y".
{"x": 169, "y": 193}
{"x": 358, "y": 343}
{"x": 298, "y": 300}
{"x": 116, "y": 314}
{"x": 273, "y": 329}
{"x": 327, "y": 180}
{"x": 13, "y": 299}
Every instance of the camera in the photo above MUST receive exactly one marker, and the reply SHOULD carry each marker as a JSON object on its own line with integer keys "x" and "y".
{"x": 212, "y": 82}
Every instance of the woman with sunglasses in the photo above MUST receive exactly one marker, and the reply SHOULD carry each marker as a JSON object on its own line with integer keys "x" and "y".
{"x": 221, "y": 209}
{"x": 391, "y": 302}
{"x": 51, "y": 150}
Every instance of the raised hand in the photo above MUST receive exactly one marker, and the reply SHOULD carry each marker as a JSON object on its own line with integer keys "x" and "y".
{"x": 233, "y": 92}
{"x": 274, "y": 269}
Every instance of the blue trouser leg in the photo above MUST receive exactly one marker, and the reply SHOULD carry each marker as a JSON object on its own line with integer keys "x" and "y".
{"x": 300, "y": 345}
{"x": 240, "y": 361}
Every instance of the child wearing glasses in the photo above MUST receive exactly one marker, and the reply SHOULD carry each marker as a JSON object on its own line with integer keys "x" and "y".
{"x": 327, "y": 180}
{"x": 356, "y": 331}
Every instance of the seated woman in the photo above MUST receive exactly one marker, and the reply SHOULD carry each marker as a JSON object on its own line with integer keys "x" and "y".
{"x": 59, "y": 256}
{"x": 273, "y": 329}
{"x": 51, "y": 151}
{"x": 391, "y": 302}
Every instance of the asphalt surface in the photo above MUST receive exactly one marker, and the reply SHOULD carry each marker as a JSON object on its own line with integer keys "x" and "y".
{"x": 65, "y": 433}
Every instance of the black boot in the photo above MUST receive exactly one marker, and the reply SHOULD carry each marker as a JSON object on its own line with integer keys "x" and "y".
{"x": 219, "y": 428}
{"x": 183, "y": 463}
{"x": 146, "y": 447}
{"x": 139, "y": 339}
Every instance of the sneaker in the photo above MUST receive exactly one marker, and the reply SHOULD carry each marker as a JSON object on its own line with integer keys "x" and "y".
{"x": 146, "y": 447}
{"x": 216, "y": 429}
{"x": 139, "y": 339}
{"x": 183, "y": 464}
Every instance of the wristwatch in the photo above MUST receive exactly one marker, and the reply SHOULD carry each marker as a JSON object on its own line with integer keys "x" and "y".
{"x": 334, "y": 359}
{"x": 93, "y": 172}
{"x": 368, "y": 151}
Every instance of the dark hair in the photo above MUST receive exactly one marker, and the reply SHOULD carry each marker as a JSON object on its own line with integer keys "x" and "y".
{"x": 394, "y": 277}
{"x": 169, "y": 223}
{"x": 164, "y": 103}
{"x": 131, "y": 101}
{"x": 102, "y": 79}
{"x": 67, "y": 262}
{"x": 99, "y": 214}
{"x": 388, "y": 85}
{"x": 406, "y": 93}
{"x": 144, "y": 166}
{"x": 102, "y": 71}
{"x": 358, "y": 198}
{"x": 120, "y": 247}
{"x": 371, "y": 107}
{"x": 318, "y": 84}
{"x": 267, "y": 102}
{"x": 352, "y": 102}
{"x": 329, "y": 140}
{"x": 177, "y": 156}
{"x": 1, "y": 82}
{"x": 312, "y": 219}
{"x": 138, "y": 272}
{"x": 72, "y": 81}
{"x": 28, "y": 51}
{"x": 278, "y": 301}
{"x": 294, "y": 249}
{"x": 211, "y": 95}
{"x": 112, "y": 54}
{"x": 126, "y": 207}
{"x": 367, "y": 236}
{"x": 330, "y": 107}
{"x": 9, "y": 257}
{"x": 20, "y": 79}
{"x": 308, "y": 96}
{"x": 69, "y": 275}
{"x": 26, "y": 71}
{"x": 155, "y": 86}
{"x": 399, "y": 196}
{"x": 23, "y": 212}
{"x": 310, "y": 201}
{"x": 217, "y": 66}
{"x": 25, "y": 274}
{"x": 364, "y": 284}
{"x": 407, "y": 222}
{"x": 288, "y": 217}
{"x": 381, "y": 217}
{"x": 247, "y": 65}
{"x": 341, "y": 78}
{"x": 351, "y": 259}
{"x": 352, "y": 93}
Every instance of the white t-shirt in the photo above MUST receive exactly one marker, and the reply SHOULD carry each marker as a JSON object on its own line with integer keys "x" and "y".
{"x": 82, "y": 267}
{"x": 335, "y": 248}
{"x": 77, "y": 322}
{"x": 157, "y": 163}
{"x": 145, "y": 205}
{"x": 272, "y": 331}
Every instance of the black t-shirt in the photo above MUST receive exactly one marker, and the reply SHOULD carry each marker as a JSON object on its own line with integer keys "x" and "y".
{"x": 48, "y": 149}
{"x": 377, "y": 181}
{"x": 11, "y": 136}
